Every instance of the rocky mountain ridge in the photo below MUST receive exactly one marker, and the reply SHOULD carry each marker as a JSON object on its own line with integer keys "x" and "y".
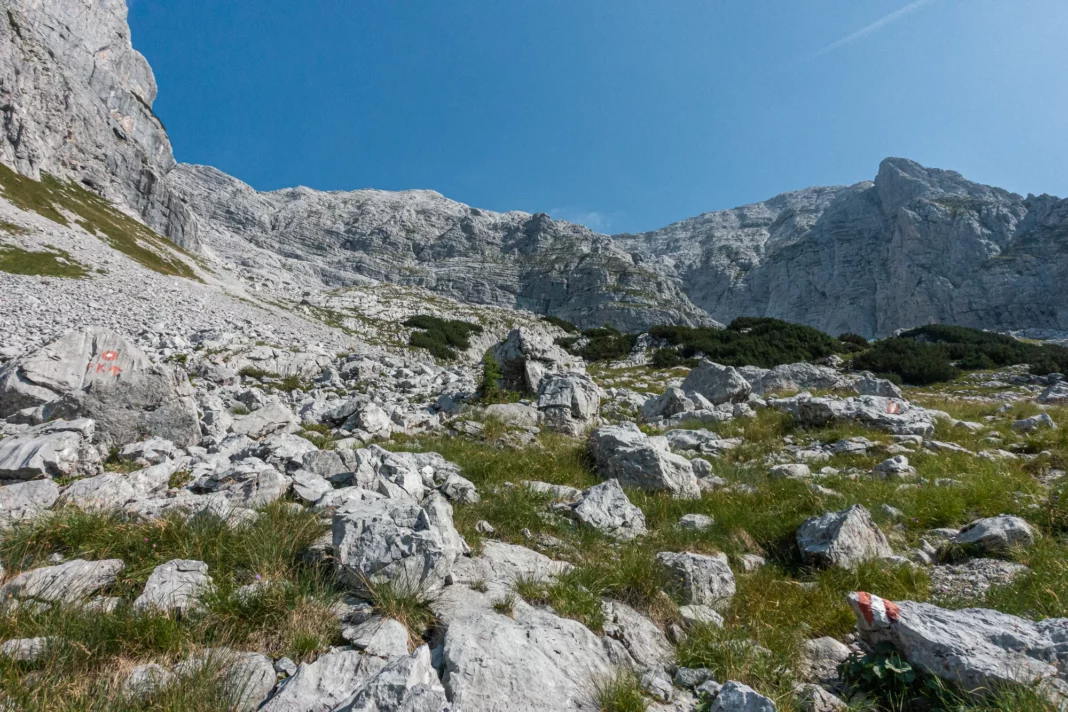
{"x": 917, "y": 245}
{"x": 913, "y": 246}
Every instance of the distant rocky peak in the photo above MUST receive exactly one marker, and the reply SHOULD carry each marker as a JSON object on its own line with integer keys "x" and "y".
{"x": 901, "y": 181}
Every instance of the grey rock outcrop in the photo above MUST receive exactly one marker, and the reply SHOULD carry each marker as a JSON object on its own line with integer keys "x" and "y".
{"x": 718, "y": 384}
{"x": 418, "y": 237}
{"x": 71, "y": 363}
{"x": 569, "y": 402}
{"x": 175, "y": 586}
{"x": 701, "y": 579}
{"x": 670, "y": 403}
{"x": 79, "y": 106}
{"x": 500, "y": 566}
{"x": 736, "y": 697}
{"x": 26, "y": 500}
{"x": 1055, "y": 394}
{"x": 65, "y": 583}
{"x": 543, "y": 661}
{"x": 98, "y": 374}
{"x": 406, "y": 683}
{"x": 25, "y": 650}
{"x": 112, "y": 491}
{"x": 322, "y": 685}
{"x": 916, "y": 245}
{"x": 625, "y": 453}
{"x": 996, "y": 535}
{"x": 793, "y": 377}
{"x": 1035, "y": 422}
{"x": 976, "y": 648}
{"x": 528, "y": 354}
{"x": 843, "y": 539}
{"x": 58, "y": 449}
{"x": 391, "y": 541}
{"x": 868, "y": 385}
{"x": 643, "y": 640}
{"x": 605, "y": 507}
{"x": 888, "y": 414}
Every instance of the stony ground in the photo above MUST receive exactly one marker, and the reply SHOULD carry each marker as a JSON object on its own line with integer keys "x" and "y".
{"x": 315, "y": 531}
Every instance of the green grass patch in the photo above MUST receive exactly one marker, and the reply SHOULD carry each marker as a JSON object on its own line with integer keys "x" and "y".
{"x": 50, "y": 196}
{"x": 287, "y": 611}
{"x": 621, "y": 692}
{"x": 52, "y": 262}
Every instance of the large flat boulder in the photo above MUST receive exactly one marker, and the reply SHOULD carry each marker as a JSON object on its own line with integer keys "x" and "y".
{"x": 719, "y": 384}
{"x": 326, "y": 683}
{"x": 390, "y": 540}
{"x": 68, "y": 582}
{"x": 272, "y": 418}
{"x": 996, "y": 535}
{"x": 793, "y": 377}
{"x": 68, "y": 364}
{"x": 112, "y": 491}
{"x": 976, "y": 648}
{"x": 892, "y": 415}
{"x": 60, "y": 448}
{"x": 96, "y": 373}
{"x": 844, "y": 539}
{"x": 529, "y": 661}
{"x": 625, "y": 453}
{"x": 499, "y": 566}
{"x": 25, "y": 500}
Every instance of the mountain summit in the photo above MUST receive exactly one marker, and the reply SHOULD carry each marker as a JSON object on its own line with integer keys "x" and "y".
{"x": 914, "y": 246}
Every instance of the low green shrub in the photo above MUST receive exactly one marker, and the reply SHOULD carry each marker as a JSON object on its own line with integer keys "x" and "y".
{"x": 938, "y": 352}
{"x": 749, "y": 341}
{"x": 491, "y": 385}
{"x": 855, "y": 339}
{"x": 561, "y": 324}
{"x": 912, "y": 362}
{"x": 604, "y": 344}
{"x": 885, "y": 678}
{"x": 441, "y": 337}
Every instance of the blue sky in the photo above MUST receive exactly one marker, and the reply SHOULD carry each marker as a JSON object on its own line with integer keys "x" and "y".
{"x": 625, "y": 115}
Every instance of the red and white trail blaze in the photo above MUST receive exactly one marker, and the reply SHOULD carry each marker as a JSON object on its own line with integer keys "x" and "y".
{"x": 878, "y": 612}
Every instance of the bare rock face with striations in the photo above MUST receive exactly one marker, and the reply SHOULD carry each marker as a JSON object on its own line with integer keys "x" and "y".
{"x": 917, "y": 245}
{"x": 420, "y": 238}
{"x": 77, "y": 104}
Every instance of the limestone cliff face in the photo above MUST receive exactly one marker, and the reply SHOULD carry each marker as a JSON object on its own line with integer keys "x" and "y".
{"x": 420, "y": 238}
{"x": 77, "y": 103}
{"x": 915, "y": 246}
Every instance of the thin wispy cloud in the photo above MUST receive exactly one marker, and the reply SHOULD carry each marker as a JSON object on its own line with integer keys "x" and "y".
{"x": 873, "y": 27}
{"x": 593, "y": 219}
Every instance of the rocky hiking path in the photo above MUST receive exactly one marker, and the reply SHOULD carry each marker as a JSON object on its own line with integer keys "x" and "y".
{"x": 197, "y": 522}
